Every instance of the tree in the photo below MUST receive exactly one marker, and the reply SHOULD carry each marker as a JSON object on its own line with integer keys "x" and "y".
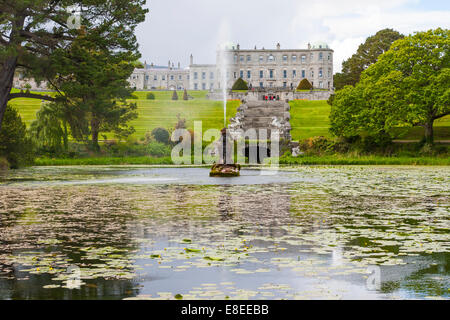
{"x": 366, "y": 55}
{"x": 161, "y": 135}
{"x": 31, "y": 32}
{"x": 185, "y": 95}
{"x": 50, "y": 129}
{"x": 240, "y": 84}
{"x": 407, "y": 86}
{"x": 150, "y": 96}
{"x": 174, "y": 95}
{"x": 96, "y": 87}
{"x": 304, "y": 85}
{"x": 15, "y": 145}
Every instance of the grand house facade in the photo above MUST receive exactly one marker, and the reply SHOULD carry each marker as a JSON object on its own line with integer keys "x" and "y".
{"x": 260, "y": 68}
{"x": 263, "y": 68}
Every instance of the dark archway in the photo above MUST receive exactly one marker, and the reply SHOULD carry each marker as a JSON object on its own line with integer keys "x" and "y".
{"x": 262, "y": 153}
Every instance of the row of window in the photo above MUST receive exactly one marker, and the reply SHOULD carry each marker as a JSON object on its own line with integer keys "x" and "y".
{"x": 203, "y": 86}
{"x": 285, "y": 58}
{"x": 211, "y": 75}
{"x": 321, "y": 85}
{"x": 271, "y": 73}
{"x": 163, "y": 77}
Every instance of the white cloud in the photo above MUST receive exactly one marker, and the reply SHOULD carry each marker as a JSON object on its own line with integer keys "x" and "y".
{"x": 175, "y": 29}
{"x": 347, "y": 23}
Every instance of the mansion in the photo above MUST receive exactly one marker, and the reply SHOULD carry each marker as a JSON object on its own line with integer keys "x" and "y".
{"x": 262, "y": 68}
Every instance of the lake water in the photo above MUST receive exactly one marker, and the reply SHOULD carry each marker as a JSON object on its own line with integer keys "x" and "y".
{"x": 154, "y": 233}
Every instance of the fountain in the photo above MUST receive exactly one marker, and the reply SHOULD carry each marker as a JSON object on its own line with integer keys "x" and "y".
{"x": 226, "y": 166}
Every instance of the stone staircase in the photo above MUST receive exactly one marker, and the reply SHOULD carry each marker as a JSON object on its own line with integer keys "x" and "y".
{"x": 268, "y": 115}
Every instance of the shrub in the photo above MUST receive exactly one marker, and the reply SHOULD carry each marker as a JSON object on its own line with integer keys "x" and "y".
{"x": 185, "y": 95}
{"x": 304, "y": 85}
{"x": 175, "y": 95}
{"x": 157, "y": 149}
{"x": 15, "y": 145}
{"x": 240, "y": 84}
{"x": 161, "y": 135}
{"x": 4, "y": 165}
{"x": 150, "y": 96}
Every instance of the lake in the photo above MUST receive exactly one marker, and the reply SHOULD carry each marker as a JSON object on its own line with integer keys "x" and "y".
{"x": 136, "y": 232}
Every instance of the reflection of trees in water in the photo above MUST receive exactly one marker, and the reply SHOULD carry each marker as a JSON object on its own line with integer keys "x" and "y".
{"x": 426, "y": 275}
{"x": 77, "y": 217}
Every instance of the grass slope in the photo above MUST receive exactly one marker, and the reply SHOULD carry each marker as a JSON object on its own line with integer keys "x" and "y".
{"x": 308, "y": 118}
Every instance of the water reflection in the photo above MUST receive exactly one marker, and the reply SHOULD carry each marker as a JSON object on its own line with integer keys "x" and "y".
{"x": 305, "y": 234}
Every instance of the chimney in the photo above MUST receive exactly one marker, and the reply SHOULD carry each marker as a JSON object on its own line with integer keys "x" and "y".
{"x": 179, "y": 66}
{"x": 278, "y": 46}
{"x": 309, "y": 46}
{"x": 238, "y": 46}
{"x": 192, "y": 59}
{"x": 169, "y": 64}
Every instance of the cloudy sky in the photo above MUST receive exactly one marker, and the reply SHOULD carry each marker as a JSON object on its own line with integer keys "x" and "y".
{"x": 176, "y": 28}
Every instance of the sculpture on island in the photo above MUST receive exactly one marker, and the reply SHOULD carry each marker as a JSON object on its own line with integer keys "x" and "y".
{"x": 225, "y": 167}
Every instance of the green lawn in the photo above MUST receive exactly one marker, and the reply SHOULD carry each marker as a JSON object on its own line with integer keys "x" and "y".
{"x": 161, "y": 112}
{"x": 308, "y": 118}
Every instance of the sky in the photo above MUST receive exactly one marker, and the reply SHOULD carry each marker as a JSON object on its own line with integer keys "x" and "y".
{"x": 175, "y": 29}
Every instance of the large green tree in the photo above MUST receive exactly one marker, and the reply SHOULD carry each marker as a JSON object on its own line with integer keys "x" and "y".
{"x": 32, "y": 31}
{"x": 366, "y": 55}
{"x": 96, "y": 89}
{"x": 408, "y": 86}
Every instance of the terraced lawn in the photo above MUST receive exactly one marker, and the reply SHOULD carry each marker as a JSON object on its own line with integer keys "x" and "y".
{"x": 308, "y": 118}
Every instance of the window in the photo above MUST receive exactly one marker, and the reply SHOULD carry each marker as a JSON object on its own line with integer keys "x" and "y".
{"x": 235, "y": 74}
{"x": 164, "y": 77}
{"x": 294, "y": 73}
{"x": 261, "y": 74}
{"x": 294, "y": 58}
{"x": 303, "y": 59}
{"x": 320, "y": 84}
{"x": 329, "y": 72}
{"x": 195, "y": 86}
{"x": 285, "y": 58}
{"x": 188, "y": 77}
{"x": 203, "y": 86}
{"x": 211, "y": 86}
{"x": 249, "y": 74}
{"x": 241, "y": 58}
{"x": 321, "y": 56}
{"x": 284, "y": 73}
{"x": 195, "y": 75}
{"x": 155, "y": 78}
{"x": 171, "y": 77}
{"x": 284, "y": 84}
{"x": 146, "y": 77}
{"x": 271, "y": 58}
{"x": 261, "y": 85}
{"x": 311, "y": 57}
{"x": 261, "y": 58}
{"x": 211, "y": 75}
{"x": 241, "y": 74}
{"x": 249, "y": 58}
{"x": 320, "y": 73}
{"x": 180, "y": 77}
{"x": 329, "y": 56}
{"x": 203, "y": 75}
{"x": 312, "y": 73}
{"x": 271, "y": 74}
{"x": 235, "y": 58}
